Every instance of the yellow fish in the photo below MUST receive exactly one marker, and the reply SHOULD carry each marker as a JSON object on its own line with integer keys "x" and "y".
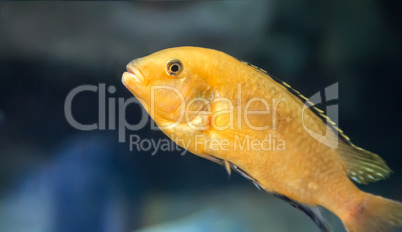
{"x": 235, "y": 114}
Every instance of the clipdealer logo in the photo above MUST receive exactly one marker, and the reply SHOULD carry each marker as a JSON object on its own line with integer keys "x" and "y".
{"x": 107, "y": 119}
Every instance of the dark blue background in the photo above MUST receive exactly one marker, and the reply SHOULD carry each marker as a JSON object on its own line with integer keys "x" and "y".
{"x": 54, "y": 177}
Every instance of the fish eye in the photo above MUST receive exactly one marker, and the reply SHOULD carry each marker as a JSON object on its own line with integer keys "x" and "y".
{"x": 174, "y": 67}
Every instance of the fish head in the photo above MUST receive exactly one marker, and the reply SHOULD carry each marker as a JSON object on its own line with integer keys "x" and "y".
{"x": 171, "y": 84}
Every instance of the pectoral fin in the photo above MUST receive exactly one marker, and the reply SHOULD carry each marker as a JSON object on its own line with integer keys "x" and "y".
{"x": 227, "y": 167}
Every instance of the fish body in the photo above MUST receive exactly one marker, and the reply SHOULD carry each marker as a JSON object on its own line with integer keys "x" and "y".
{"x": 233, "y": 113}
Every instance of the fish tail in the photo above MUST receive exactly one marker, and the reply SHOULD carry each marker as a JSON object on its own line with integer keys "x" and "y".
{"x": 374, "y": 214}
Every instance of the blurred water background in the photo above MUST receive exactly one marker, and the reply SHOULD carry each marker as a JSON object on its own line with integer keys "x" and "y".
{"x": 54, "y": 177}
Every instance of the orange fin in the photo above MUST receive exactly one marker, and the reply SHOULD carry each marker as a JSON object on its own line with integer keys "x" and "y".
{"x": 227, "y": 167}
{"x": 375, "y": 214}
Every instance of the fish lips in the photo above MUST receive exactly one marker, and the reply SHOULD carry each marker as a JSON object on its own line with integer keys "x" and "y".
{"x": 132, "y": 74}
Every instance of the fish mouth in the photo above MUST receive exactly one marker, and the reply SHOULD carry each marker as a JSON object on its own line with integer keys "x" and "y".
{"x": 132, "y": 74}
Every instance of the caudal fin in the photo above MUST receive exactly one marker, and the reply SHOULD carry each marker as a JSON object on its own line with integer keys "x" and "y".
{"x": 375, "y": 214}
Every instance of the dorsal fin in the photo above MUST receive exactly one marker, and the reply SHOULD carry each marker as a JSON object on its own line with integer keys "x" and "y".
{"x": 362, "y": 166}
